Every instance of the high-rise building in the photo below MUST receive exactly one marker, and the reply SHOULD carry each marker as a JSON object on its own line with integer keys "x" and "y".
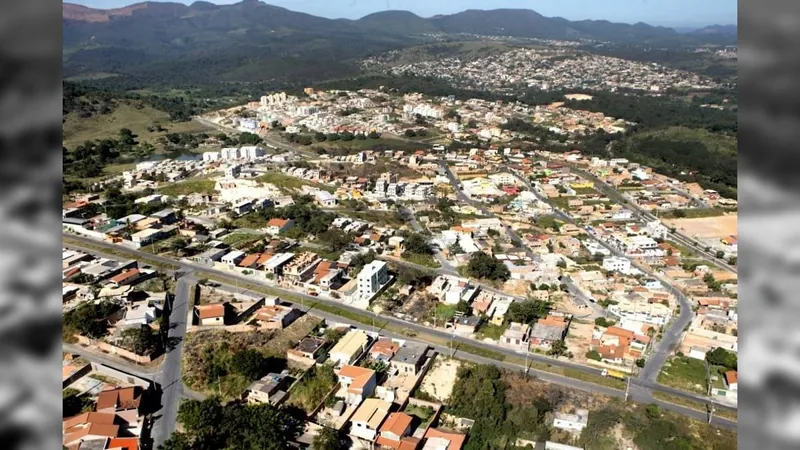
{"x": 371, "y": 278}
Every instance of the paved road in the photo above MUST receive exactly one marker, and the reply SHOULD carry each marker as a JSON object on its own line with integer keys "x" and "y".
{"x": 170, "y": 376}
{"x": 639, "y": 394}
{"x": 672, "y": 335}
{"x": 642, "y": 214}
{"x": 446, "y": 266}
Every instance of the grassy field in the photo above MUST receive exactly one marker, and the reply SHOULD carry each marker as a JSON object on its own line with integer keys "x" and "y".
{"x": 422, "y": 260}
{"x": 287, "y": 184}
{"x": 240, "y": 240}
{"x": 490, "y": 330}
{"x": 561, "y": 202}
{"x": 693, "y": 213}
{"x": 371, "y": 144}
{"x": 684, "y": 373}
{"x": 191, "y": 186}
{"x": 77, "y": 130}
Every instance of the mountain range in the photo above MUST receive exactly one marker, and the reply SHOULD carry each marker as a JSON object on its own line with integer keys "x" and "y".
{"x": 157, "y": 42}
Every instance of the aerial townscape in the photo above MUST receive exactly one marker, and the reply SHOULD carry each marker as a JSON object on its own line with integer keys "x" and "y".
{"x": 473, "y": 241}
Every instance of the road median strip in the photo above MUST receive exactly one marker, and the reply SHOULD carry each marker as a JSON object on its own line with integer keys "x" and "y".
{"x": 695, "y": 405}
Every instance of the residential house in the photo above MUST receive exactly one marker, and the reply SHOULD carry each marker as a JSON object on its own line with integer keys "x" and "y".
{"x": 232, "y": 259}
{"x": 548, "y": 330}
{"x": 436, "y": 439}
{"x": 357, "y": 383}
{"x": 383, "y": 350}
{"x": 467, "y": 325}
{"x": 90, "y": 426}
{"x": 349, "y": 347}
{"x": 516, "y": 335}
{"x": 276, "y": 226}
{"x": 139, "y": 314}
{"x": 409, "y": 358}
{"x": 367, "y": 419}
{"x": 732, "y": 380}
{"x": 572, "y": 422}
{"x": 126, "y": 277}
{"x": 307, "y": 350}
{"x": 209, "y": 315}
{"x": 396, "y": 427}
{"x": 276, "y": 317}
{"x": 270, "y": 389}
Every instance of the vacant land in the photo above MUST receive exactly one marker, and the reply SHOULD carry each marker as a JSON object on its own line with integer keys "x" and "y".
{"x": 240, "y": 240}
{"x": 441, "y": 378}
{"x": 192, "y": 186}
{"x": 707, "y": 227}
{"x": 686, "y": 373}
{"x": 288, "y": 184}
{"x": 309, "y": 392}
{"x": 125, "y": 115}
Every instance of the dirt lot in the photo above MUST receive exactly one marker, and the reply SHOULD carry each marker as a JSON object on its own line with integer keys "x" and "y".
{"x": 441, "y": 378}
{"x": 579, "y": 339}
{"x": 708, "y": 227}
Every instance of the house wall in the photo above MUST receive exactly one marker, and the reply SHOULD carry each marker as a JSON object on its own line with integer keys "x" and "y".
{"x": 114, "y": 350}
{"x": 212, "y": 321}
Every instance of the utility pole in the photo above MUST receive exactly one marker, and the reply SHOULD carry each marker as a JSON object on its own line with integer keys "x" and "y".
{"x": 627, "y": 388}
{"x": 710, "y": 409}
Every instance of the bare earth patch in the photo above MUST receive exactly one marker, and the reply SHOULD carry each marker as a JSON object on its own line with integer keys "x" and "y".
{"x": 441, "y": 378}
{"x": 707, "y": 227}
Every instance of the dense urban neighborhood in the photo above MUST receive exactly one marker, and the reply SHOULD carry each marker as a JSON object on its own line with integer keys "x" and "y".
{"x": 536, "y": 255}
{"x": 363, "y": 288}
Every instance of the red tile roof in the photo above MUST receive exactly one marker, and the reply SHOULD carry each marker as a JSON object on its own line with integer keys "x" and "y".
{"x": 119, "y": 398}
{"x": 124, "y": 276}
{"x": 210, "y": 311}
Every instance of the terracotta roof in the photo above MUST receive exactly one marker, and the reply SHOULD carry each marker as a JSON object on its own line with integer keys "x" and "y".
{"x": 123, "y": 444}
{"x": 89, "y": 417}
{"x": 620, "y": 332}
{"x": 119, "y": 398}
{"x": 360, "y": 376}
{"x": 731, "y": 377}
{"x": 397, "y": 423}
{"x": 249, "y": 260}
{"x": 385, "y": 347}
{"x": 209, "y": 311}
{"x": 280, "y": 223}
{"x": 264, "y": 258}
{"x": 72, "y": 272}
{"x": 92, "y": 429}
{"x": 456, "y": 440}
{"x": 124, "y": 276}
{"x": 408, "y": 443}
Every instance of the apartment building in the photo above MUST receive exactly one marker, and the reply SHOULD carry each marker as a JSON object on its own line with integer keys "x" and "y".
{"x": 372, "y": 278}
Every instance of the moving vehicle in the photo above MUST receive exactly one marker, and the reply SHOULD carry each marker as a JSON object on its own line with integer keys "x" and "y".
{"x": 614, "y": 374}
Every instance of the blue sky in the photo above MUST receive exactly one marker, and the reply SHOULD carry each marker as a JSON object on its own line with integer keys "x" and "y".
{"x": 677, "y": 13}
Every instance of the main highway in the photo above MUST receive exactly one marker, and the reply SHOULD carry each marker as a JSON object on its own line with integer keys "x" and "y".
{"x": 639, "y": 389}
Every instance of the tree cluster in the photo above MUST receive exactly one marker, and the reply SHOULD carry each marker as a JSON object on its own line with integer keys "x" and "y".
{"x": 210, "y": 425}
{"x": 484, "y": 266}
{"x": 527, "y": 311}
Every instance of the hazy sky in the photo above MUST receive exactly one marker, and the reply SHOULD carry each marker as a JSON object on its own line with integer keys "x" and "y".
{"x": 656, "y": 12}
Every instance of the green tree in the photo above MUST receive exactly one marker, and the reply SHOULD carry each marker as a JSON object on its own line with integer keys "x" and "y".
{"x": 176, "y": 441}
{"x": 329, "y": 439}
{"x": 178, "y": 246}
{"x": 141, "y": 340}
{"x": 527, "y": 311}
{"x": 593, "y": 354}
{"x": 558, "y": 348}
{"x": 482, "y": 265}
{"x": 721, "y": 357}
{"x": 418, "y": 244}
{"x": 640, "y": 362}
{"x": 249, "y": 363}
